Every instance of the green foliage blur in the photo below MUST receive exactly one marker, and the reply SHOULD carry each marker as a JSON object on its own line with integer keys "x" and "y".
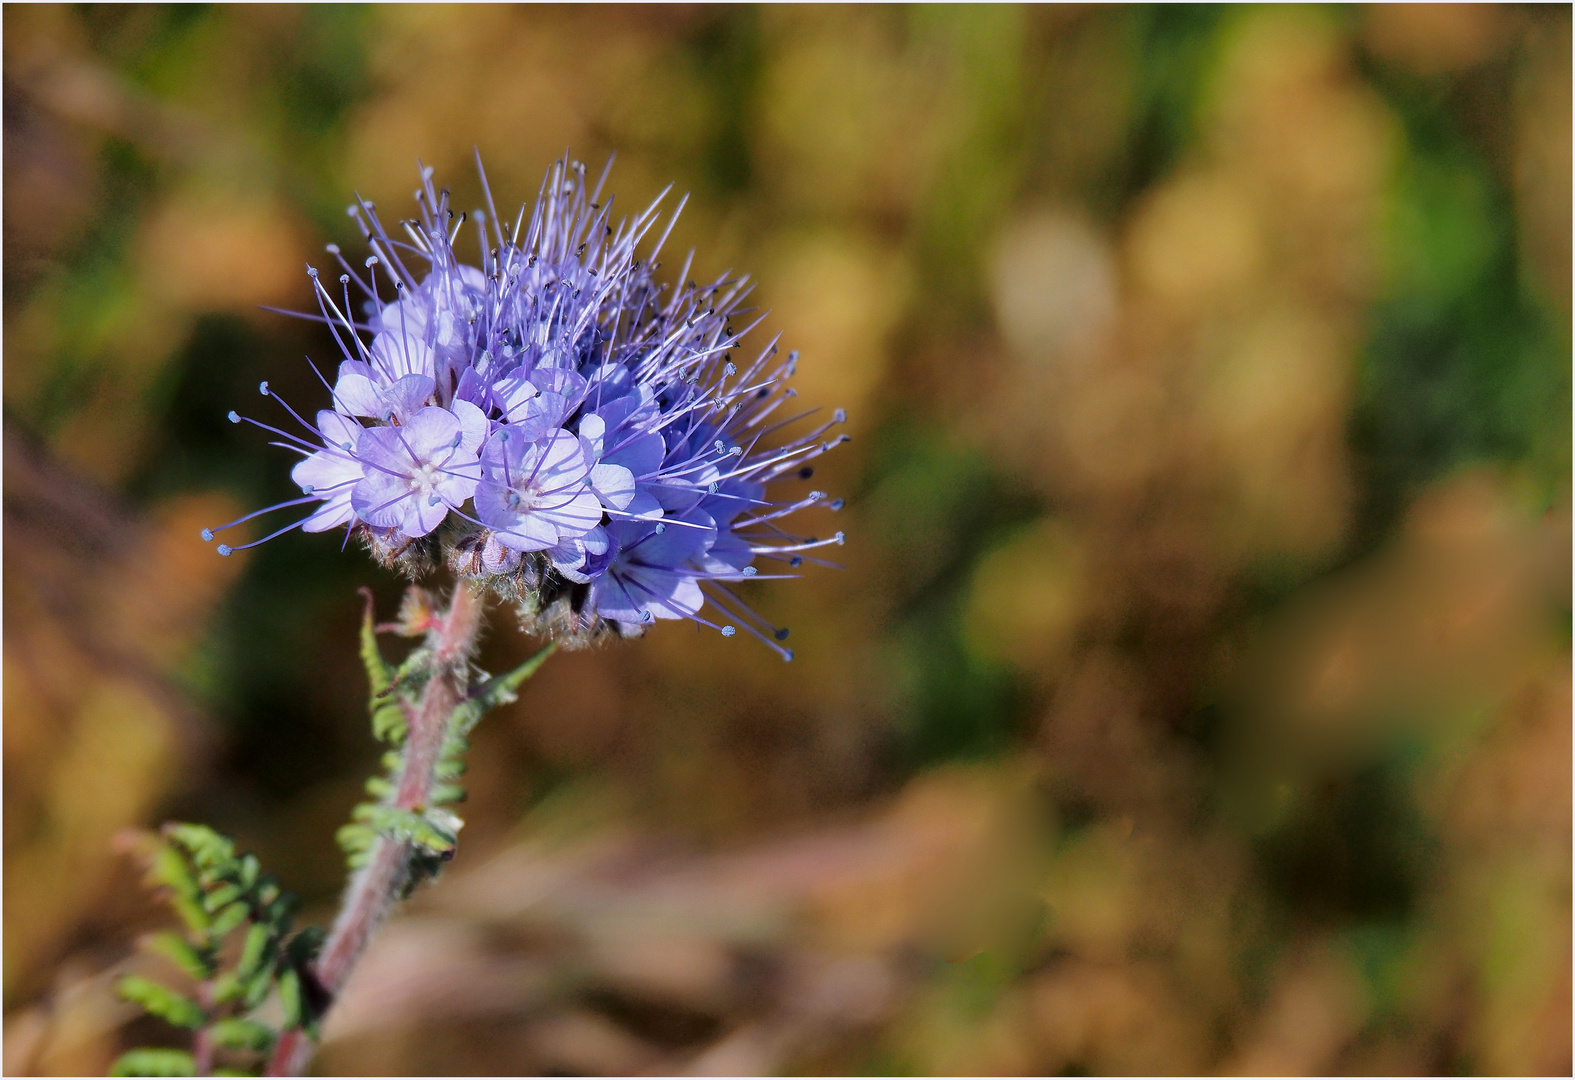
{"x": 1206, "y": 607}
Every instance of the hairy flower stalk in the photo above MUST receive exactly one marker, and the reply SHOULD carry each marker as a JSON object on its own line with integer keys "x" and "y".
{"x": 379, "y": 880}
{"x": 374, "y": 888}
{"x": 561, "y": 432}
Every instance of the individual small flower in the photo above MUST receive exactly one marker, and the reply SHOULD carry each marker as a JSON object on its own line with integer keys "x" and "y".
{"x": 415, "y": 473}
{"x": 654, "y": 574}
{"x": 537, "y": 495}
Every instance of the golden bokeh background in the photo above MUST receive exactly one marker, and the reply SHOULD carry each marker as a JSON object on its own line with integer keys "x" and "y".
{"x": 1196, "y": 696}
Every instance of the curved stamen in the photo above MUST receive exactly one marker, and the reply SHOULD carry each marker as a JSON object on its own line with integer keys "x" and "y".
{"x": 208, "y": 534}
{"x": 770, "y": 642}
{"x": 226, "y": 549}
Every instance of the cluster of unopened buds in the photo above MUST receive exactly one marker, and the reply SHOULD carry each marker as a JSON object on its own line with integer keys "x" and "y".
{"x": 555, "y": 425}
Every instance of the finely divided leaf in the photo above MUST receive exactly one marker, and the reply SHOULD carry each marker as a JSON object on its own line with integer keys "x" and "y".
{"x": 154, "y": 1063}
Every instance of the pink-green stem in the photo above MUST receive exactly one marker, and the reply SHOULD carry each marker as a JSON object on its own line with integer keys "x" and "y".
{"x": 202, "y": 1052}
{"x": 374, "y": 888}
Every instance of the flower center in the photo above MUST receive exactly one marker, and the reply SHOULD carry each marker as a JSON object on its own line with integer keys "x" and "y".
{"x": 425, "y": 478}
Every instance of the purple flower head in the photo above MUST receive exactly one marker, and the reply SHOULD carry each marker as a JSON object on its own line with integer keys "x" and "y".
{"x": 555, "y": 423}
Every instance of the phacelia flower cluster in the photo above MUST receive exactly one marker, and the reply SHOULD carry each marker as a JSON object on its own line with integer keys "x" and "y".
{"x": 553, "y": 423}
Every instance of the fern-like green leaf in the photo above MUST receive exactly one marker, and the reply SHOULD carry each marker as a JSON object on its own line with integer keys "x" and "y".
{"x": 434, "y": 833}
{"x": 185, "y": 955}
{"x": 379, "y": 674}
{"x": 290, "y": 997}
{"x": 254, "y": 950}
{"x": 304, "y": 947}
{"x": 161, "y": 1001}
{"x": 230, "y": 918}
{"x": 154, "y": 1063}
{"x": 218, "y": 893}
{"x": 256, "y": 988}
{"x": 209, "y": 850}
{"x": 501, "y": 689}
{"x": 356, "y": 841}
{"x": 221, "y": 897}
{"x": 238, "y": 1034}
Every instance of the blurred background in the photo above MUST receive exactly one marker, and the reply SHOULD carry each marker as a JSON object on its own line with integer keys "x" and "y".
{"x": 1196, "y": 696}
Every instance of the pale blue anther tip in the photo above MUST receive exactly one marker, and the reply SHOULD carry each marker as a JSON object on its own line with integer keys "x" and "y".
{"x": 729, "y": 631}
{"x": 661, "y": 526}
{"x": 207, "y": 534}
{"x": 235, "y": 417}
{"x": 836, "y": 504}
{"x": 840, "y": 416}
{"x": 750, "y": 571}
{"x": 262, "y": 388}
{"x": 787, "y": 656}
{"x": 307, "y": 489}
{"x": 225, "y": 549}
{"x": 840, "y": 538}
